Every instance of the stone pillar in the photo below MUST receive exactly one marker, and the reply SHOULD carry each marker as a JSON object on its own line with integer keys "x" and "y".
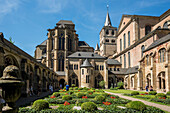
{"x": 2, "y": 60}
{"x": 106, "y": 74}
{"x": 79, "y": 76}
{"x": 67, "y": 70}
{"x": 152, "y": 71}
{"x": 167, "y": 72}
{"x": 138, "y": 78}
{"x": 56, "y": 51}
{"x": 48, "y": 50}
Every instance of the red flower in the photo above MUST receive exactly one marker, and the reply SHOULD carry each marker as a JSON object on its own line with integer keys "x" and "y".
{"x": 94, "y": 91}
{"x": 52, "y": 96}
{"x": 88, "y": 89}
{"x": 84, "y": 97}
{"x": 106, "y": 103}
{"x": 141, "y": 94}
{"x": 78, "y": 90}
{"x": 66, "y": 94}
{"x": 90, "y": 93}
{"x": 146, "y": 93}
{"x": 112, "y": 97}
{"x": 66, "y": 103}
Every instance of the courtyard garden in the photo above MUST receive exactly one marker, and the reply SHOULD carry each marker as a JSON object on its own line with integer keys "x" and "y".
{"x": 84, "y": 100}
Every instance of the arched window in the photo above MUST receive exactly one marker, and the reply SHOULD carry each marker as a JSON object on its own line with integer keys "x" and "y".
{"x": 128, "y": 38}
{"x": 60, "y": 62}
{"x": 107, "y": 40}
{"x": 87, "y": 79}
{"x": 147, "y": 60}
{"x": 124, "y": 60}
{"x": 59, "y": 43}
{"x": 82, "y": 71}
{"x": 107, "y": 32}
{"x": 147, "y": 29}
{"x": 52, "y": 44}
{"x": 165, "y": 25}
{"x": 113, "y": 41}
{"x": 162, "y": 53}
{"x": 129, "y": 59}
{"x": 120, "y": 44}
{"x": 63, "y": 43}
{"x": 44, "y": 51}
{"x": 124, "y": 40}
{"x": 142, "y": 49}
{"x": 113, "y": 32}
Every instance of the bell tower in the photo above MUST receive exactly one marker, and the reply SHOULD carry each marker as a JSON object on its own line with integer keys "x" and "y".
{"x": 108, "y": 37}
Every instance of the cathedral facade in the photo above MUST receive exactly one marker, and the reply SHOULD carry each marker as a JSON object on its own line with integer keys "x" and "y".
{"x": 136, "y": 53}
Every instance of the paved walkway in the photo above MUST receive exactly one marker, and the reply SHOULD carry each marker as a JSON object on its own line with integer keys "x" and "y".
{"x": 22, "y": 101}
{"x": 163, "y": 107}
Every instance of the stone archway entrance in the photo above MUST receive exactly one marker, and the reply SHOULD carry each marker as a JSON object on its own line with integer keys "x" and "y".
{"x": 62, "y": 82}
{"x": 161, "y": 81}
{"x": 98, "y": 78}
{"x": 111, "y": 82}
{"x": 148, "y": 80}
{"x": 73, "y": 80}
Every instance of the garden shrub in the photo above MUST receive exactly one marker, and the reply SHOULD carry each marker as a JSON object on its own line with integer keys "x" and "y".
{"x": 79, "y": 95}
{"x": 93, "y": 88}
{"x": 73, "y": 85}
{"x": 80, "y": 88}
{"x": 152, "y": 93}
{"x": 64, "y": 88}
{"x": 88, "y": 92}
{"x": 120, "y": 85}
{"x": 85, "y": 88}
{"x": 105, "y": 94}
{"x": 71, "y": 88}
{"x": 89, "y": 106}
{"x": 137, "y": 105}
{"x": 102, "y": 84}
{"x": 67, "y": 97}
{"x": 40, "y": 104}
{"x": 70, "y": 92}
{"x": 168, "y": 93}
{"x": 100, "y": 98}
{"x": 111, "y": 88}
{"x": 165, "y": 101}
{"x": 56, "y": 94}
{"x": 160, "y": 95}
{"x": 135, "y": 93}
{"x": 76, "y": 88}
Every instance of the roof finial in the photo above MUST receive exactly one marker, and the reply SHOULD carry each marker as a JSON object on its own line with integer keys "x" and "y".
{"x": 107, "y": 8}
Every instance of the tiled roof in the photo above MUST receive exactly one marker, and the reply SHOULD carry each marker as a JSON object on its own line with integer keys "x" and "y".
{"x": 89, "y": 55}
{"x": 159, "y": 42}
{"x": 113, "y": 62}
{"x": 125, "y": 71}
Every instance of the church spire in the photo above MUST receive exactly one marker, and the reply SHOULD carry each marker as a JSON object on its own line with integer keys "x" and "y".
{"x": 97, "y": 47}
{"x": 107, "y": 21}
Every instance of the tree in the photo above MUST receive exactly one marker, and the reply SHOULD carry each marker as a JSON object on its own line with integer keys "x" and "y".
{"x": 10, "y": 39}
{"x": 102, "y": 84}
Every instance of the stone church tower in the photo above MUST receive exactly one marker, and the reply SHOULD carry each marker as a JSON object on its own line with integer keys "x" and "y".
{"x": 108, "y": 38}
{"x": 62, "y": 41}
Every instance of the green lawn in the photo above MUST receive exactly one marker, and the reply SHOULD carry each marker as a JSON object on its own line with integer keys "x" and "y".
{"x": 122, "y": 91}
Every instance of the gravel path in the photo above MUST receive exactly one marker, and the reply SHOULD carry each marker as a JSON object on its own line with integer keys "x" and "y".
{"x": 163, "y": 107}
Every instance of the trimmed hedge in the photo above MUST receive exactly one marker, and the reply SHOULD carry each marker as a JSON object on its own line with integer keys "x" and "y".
{"x": 152, "y": 93}
{"x": 56, "y": 94}
{"x": 89, "y": 106}
{"x": 79, "y": 95}
{"x": 160, "y": 95}
{"x": 40, "y": 104}
{"x": 168, "y": 93}
{"x": 100, "y": 98}
{"x": 137, "y": 105}
{"x": 135, "y": 93}
{"x": 67, "y": 97}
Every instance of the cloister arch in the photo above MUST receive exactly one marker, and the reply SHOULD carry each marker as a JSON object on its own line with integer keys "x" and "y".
{"x": 98, "y": 79}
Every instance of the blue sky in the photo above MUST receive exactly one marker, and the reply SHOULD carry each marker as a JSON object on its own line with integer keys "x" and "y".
{"x": 27, "y": 21}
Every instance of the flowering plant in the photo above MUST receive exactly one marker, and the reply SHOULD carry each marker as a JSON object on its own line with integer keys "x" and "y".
{"x": 141, "y": 94}
{"x": 112, "y": 97}
{"x": 146, "y": 93}
{"x": 84, "y": 97}
{"x": 90, "y": 93}
{"x": 94, "y": 91}
{"x": 78, "y": 90}
{"x": 66, "y": 103}
{"x": 106, "y": 103}
{"x": 161, "y": 97}
{"x": 52, "y": 96}
{"x": 66, "y": 94}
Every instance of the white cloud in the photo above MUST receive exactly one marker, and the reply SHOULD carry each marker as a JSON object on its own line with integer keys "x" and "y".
{"x": 7, "y": 6}
{"x": 51, "y": 6}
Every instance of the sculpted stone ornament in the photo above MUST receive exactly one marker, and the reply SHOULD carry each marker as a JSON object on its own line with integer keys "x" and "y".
{"x": 11, "y": 85}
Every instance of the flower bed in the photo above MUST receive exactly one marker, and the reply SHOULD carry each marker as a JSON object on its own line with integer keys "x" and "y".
{"x": 66, "y": 100}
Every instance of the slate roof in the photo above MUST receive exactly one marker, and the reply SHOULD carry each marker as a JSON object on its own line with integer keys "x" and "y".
{"x": 65, "y": 22}
{"x": 44, "y": 42}
{"x": 86, "y": 63}
{"x": 113, "y": 62}
{"x": 159, "y": 42}
{"x": 83, "y": 44}
{"x": 125, "y": 71}
{"x": 89, "y": 55}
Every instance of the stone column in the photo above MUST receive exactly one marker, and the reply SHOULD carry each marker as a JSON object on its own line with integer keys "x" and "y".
{"x": 106, "y": 74}
{"x": 2, "y": 60}
{"x": 151, "y": 71}
{"x": 67, "y": 70}
{"x": 167, "y": 72}
{"x": 55, "y": 51}
{"x": 139, "y": 82}
{"x": 79, "y": 77}
{"x": 48, "y": 50}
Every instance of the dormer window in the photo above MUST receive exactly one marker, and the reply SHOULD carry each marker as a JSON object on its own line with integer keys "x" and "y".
{"x": 107, "y": 32}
